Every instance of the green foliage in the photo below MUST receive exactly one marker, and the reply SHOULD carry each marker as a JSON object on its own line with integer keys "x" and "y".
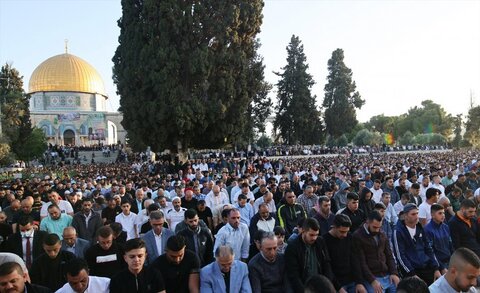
{"x": 342, "y": 141}
{"x": 472, "y": 127}
{"x": 260, "y": 106}
{"x": 430, "y": 139}
{"x": 330, "y": 142}
{"x": 407, "y": 139}
{"x": 298, "y": 118}
{"x": 377, "y": 138}
{"x": 381, "y": 123}
{"x": 4, "y": 153}
{"x": 363, "y": 137}
{"x": 341, "y": 98}
{"x": 34, "y": 147}
{"x": 182, "y": 71}
{"x": 457, "y": 140}
{"x": 16, "y": 125}
{"x": 264, "y": 141}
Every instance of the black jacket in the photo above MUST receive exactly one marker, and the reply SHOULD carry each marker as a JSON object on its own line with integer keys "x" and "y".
{"x": 295, "y": 262}
{"x": 205, "y": 244}
{"x": 32, "y": 288}
{"x": 14, "y": 244}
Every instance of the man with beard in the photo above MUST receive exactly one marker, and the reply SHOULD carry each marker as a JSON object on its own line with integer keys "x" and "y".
{"x": 13, "y": 279}
{"x": 87, "y": 222}
{"x": 323, "y": 214}
{"x": 375, "y": 256}
{"x": 462, "y": 274}
{"x": 307, "y": 256}
{"x": 464, "y": 229}
{"x": 179, "y": 267}
{"x": 56, "y": 222}
{"x": 267, "y": 268}
{"x": 197, "y": 239}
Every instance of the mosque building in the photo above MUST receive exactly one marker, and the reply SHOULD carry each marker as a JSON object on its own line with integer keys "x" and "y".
{"x": 68, "y": 102}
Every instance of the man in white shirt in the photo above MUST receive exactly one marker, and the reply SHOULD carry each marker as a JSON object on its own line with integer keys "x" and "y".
{"x": 78, "y": 279}
{"x": 424, "y": 212}
{"x": 216, "y": 198}
{"x": 245, "y": 189}
{"x": 424, "y": 186}
{"x": 175, "y": 215}
{"x": 64, "y": 206}
{"x": 462, "y": 274}
{"x": 267, "y": 198}
{"x": 436, "y": 184}
{"x": 376, "y": 191}
{"x": 127, "y": 219}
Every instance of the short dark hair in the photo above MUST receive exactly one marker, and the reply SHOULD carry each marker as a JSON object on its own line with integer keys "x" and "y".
{"x": 74, "y": 266}
{"x": 436, "y": 207}
{"x": 53, "y": 206}
{"x": 116, "y": 228}
{"x": 466, "y": 255}
{"x": 8, "y": 268}
{"x": 278, "y": 230}
{"x": 342, "y": 220}
{"x": 319, "y": 284}
{"x": 323, "y": 198}
{"x": 352, "y": 196}
{"x": 190, "y": 214}
{"x": 51, "y": 239}
{"x": 415, "y": 185}
{"x": 176, "y": 243}
{"x": 135, "y": 243}
{"x": 104, "y": 232}
{"x": 124, "y": 201}
{"x": 468, "y": 203}
{"x": 311, "y": 224}
{"x": 412, "y": 285}
{"x": 25, "y": 220}
{"x": 90, "y": 200}
{"x": 375, "y": 215}
{"x": 225, "y": 212}
{"x": 242, "y": 196}
{"x": 431, "y": 192}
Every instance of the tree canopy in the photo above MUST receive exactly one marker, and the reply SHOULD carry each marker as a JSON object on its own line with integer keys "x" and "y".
{"x": 341, "y": 98}
{"x": 298, "y": 118}
{"x": 16, "y": 126}
{"x": 472, "y": 127}
{"x": 182, "y": 71}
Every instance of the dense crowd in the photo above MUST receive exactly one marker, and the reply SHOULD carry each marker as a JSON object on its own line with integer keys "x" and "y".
{"x": 348, "y": 223}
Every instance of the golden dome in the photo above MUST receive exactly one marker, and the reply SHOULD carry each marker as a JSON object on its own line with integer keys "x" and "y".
{"x": 66, "y": 72}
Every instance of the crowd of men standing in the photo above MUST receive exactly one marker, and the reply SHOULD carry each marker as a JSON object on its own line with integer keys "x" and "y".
{"x": 340, "y": 224}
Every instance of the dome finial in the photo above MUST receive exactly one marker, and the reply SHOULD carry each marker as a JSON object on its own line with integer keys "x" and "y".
{"x": 66, "y": 46}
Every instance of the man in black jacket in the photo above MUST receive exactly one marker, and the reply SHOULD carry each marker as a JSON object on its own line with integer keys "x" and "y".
{"x": 345, "y": 264}
{"x": 12, "y": 279}
{"x": 197, "y": 239}
{"x": 17, "y": 243}
{"x": 49, "y": 268}
{"x": 307, "y": 256}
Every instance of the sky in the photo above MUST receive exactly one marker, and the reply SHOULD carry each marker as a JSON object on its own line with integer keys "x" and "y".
{"x": 401, "y": 52}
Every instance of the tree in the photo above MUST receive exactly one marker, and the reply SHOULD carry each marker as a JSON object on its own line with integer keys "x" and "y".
{"x": 16, "y": 125}
{"x": 182, "y": 69}
{"x": 362, "y": 138}
{"x": 457, "y": 140}
{"x": 298, "y": 118}
{"x": 264, "y": 141}
{"x": 407, "y": 139}
{"x": 472, "y": 127}
{"x": 260, "y": 106}
{"x": 34, "y": 147}
{"x": 341, "y": 98}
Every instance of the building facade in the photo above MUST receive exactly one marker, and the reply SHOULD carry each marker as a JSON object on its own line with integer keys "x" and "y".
{"x": 68, "y": 102}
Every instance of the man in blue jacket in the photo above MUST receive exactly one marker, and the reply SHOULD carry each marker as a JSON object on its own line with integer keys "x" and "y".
{"x": 413, "y": 247}
{"x": 439, "y": 233}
